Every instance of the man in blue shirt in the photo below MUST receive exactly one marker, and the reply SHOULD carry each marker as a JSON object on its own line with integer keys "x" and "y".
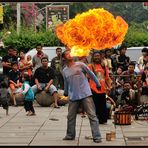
{"x": 76, "y": 86}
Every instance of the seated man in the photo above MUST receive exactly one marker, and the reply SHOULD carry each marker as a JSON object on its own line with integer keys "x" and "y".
{"x": 44, "y": 76}
{"x": 128, "y": 96}
{"x": 130, "y": 75}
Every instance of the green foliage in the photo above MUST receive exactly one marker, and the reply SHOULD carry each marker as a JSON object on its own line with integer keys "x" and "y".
{"x": 133, "y": 13}
{"x": 28, "y": 39}
{"x": 8, "y": 17}
{"x": 137, "y": 35}
{"x": 76, "y": 8}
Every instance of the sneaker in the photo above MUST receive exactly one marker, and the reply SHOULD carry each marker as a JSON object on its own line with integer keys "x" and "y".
{"x": 68, "y": 138}
{"x": 97, "y": 140}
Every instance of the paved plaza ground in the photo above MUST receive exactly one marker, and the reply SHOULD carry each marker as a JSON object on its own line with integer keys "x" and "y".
{"x": 48, "y": 128}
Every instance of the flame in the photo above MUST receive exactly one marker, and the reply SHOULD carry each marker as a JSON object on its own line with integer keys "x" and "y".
{"x": 95, "y": 29}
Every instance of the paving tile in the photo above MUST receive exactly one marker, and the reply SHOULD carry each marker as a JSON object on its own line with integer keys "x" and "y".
{"x": 57, "y": 142}
{"x": 16, "y": 134}
{"x": 137, "y": 143}
{"x": 136, "y": 134}
{"x": 18, "y": 129}
{"x": 13, "y": 140}
{"x": 84, "y": 142}
{"x": 14, "y": 144}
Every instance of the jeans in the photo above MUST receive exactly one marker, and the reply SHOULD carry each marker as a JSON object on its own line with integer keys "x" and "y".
{"x": 89, "y": 108}
{"x": 52, "y": 88}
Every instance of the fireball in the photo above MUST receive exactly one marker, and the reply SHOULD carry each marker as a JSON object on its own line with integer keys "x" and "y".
{"x": 94, "y": 29}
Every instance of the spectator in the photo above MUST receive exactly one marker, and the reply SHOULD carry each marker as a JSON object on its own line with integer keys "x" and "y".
{"x": 145, "y": 81}
{"x": 8, "y": 59}
{"x": 101, "y": 71}
{"x": 24, "y": 66}
{"x": 29, "y": 59}
{"x": 143, "y": 59}
{"x": 102, "y": 52}
{"x": 130, "y": 75}
{"x": 118, "y": 77}
{"x": 37, "y": 58}
{"x": 108, "y": 59}
{"x": 44, "y": 76}
{"x": 14, "y": 80}
{"x": 114, "y": 60}
{"x": 76, "y": 86}
{"x": 57, "y": 65}
{"x": 128, "y": 97}
{"x": 29, "y": 62}
{"x": 28, "y": 95}
{"x": 15, "y": 53}
{"x": 122, "y": 59}
{"x": 117, "y": 85}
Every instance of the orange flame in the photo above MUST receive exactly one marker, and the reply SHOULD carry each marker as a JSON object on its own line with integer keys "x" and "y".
{"x": 97, "y": 29}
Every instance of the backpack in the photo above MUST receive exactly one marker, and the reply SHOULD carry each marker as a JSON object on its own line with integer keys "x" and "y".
{"x": 29, "y": 96}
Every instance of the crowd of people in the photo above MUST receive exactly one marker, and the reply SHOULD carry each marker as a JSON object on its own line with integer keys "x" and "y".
{"x": 99, "y": 83}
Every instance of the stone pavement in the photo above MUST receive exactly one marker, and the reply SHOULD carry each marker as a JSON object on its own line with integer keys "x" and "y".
{"x": 48, "y": 128}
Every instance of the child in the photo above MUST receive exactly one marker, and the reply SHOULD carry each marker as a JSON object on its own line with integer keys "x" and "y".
{"x": 4, "y": 96}
{"x": 29, "y": 59}
{"x": 28, "y": 96}
{"x": 14, "y": 80}
{"x": 29, "y": 62}
{"x": 110, "y": 104}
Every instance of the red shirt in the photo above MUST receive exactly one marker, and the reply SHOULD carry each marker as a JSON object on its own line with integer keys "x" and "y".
{"x": 101, "y": 77}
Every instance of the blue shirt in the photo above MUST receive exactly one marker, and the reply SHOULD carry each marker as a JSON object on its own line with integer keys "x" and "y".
{"x": 76, "y": 84}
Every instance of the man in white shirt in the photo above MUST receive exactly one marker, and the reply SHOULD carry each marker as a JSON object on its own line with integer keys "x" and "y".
{"x": 143, "y": 59}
